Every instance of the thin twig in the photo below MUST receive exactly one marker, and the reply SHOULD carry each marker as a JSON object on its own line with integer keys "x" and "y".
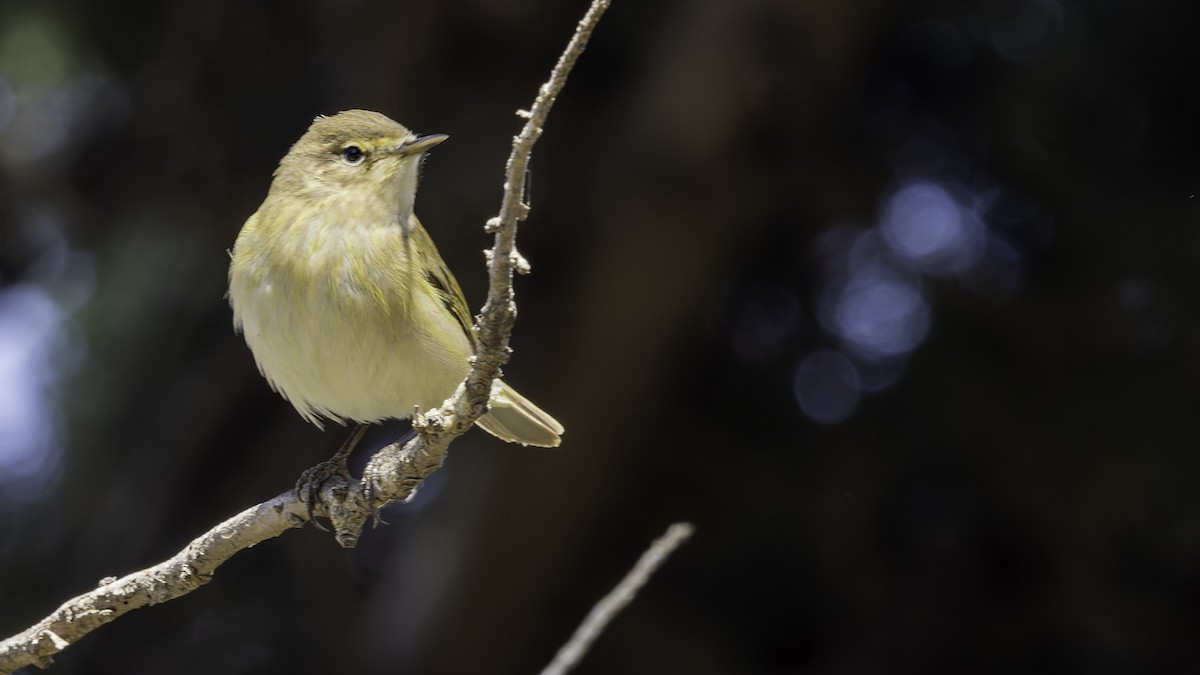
{"x": 610, "y": 605}
{"x": 393, "y": 474}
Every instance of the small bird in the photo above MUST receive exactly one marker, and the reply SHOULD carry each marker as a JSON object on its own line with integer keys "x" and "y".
{"x": 341, "y": 294}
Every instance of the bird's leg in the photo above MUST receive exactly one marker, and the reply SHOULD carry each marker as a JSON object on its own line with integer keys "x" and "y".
{"x": 308, "y": 487}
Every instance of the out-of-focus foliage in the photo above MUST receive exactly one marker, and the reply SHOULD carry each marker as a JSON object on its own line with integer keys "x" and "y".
{"x": 896, "y": 301}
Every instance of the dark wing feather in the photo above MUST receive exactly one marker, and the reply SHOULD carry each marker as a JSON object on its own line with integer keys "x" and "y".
{"x": 442, "y": 279}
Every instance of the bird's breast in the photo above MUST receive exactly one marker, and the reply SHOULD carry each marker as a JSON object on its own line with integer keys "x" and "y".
{"x": 335, "y": 324}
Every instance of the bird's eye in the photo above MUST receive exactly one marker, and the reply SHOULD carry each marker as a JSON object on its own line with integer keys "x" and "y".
{"x": 353, "y": 154}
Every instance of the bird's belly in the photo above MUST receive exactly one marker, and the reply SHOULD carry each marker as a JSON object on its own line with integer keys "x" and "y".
{"x": 343, "y": 359}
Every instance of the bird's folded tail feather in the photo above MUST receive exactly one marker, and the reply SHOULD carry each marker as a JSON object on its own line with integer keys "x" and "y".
{"x": 514, "y": 419}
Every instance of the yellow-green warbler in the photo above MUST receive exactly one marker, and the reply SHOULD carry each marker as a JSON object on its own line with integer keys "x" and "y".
{"x": 342, "y": 296}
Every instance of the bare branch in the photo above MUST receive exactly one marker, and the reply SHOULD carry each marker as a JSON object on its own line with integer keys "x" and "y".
{"x": 405, "y": 468}
{"x": 616, "y": 600}
{"x": 183, "y": 573}
{"x": 393, "y": 474}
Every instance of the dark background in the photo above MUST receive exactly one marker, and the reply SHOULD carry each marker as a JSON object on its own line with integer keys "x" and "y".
{"x": 896, "y": 301}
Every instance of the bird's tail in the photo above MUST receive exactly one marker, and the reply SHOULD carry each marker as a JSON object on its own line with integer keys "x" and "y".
{"x": 514, "y": 419}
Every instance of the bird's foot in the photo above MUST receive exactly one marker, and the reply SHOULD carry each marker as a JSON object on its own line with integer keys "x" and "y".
{"x": 308, "y": 486}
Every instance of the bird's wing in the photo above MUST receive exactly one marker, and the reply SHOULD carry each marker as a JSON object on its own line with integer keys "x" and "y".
{"x": 442, "y": 279}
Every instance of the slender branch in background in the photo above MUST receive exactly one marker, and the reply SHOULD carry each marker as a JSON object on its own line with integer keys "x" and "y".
{"x": 616, "y": 600}
{"x": 393, "y": 474}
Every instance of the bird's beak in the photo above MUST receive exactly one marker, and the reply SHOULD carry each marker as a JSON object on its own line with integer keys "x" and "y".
{"x": 419, "y": 145}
